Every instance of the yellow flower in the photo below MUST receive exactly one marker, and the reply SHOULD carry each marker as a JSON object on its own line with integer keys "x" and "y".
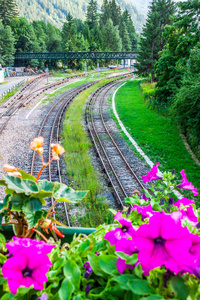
{"x": 37, "y": 144}
{"x": 57, "y": 149}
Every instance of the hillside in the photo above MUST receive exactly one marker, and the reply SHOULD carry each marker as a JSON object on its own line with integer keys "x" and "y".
{"x": 55, "y": 11}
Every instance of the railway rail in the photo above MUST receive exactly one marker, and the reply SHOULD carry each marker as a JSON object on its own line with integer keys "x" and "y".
{"x": 121, "y": 175}
{"x": 24, "y": 96}
{"x": 50, "y": 130}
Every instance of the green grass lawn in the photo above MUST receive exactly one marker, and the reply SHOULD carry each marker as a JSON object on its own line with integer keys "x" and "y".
{"x": 157, "y": 135}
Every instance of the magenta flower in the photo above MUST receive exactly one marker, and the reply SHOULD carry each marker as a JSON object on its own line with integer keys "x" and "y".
{"x": 17, "y": 244}
{"x": 188, "y": 212}
{"x": 152, "y": 175}
{"x": 186, "y": 184}
{"x": 28, "y": 265}
{"x": 162, "y": 242}
{"x": 125, "y": 231}
{"x": 127, "y": 247}
{"x": 146, "y": 211}
{"x": 144, "y": 197}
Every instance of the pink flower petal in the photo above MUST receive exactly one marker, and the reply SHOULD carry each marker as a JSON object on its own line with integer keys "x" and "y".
{"x": 121, "y": 265}
{"x": 13, "y": 285}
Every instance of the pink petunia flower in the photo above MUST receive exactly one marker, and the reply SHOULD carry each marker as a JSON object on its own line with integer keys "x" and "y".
{"x": 152, "y": 175}
{"x": 162, "y": 242}
{"x": 186, "y": 184}
{"x": 188, "y": 212}
{"x": 127, "y": 247}
{"x": 146, "y": 211}
{"x": 125, "y": 231}
{"x": 18, "y": 243}
{"x": 28, "y": 265}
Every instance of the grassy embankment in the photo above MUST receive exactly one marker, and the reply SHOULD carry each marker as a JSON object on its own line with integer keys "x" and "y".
{"x": 80, "y": 171}
{"x": 156, "y": 134}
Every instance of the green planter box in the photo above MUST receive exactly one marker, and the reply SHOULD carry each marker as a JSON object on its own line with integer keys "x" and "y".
{"x": 68, "y": 232}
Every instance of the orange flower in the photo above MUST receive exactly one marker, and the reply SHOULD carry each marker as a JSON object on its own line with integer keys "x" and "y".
{"x": 57, "y": 149}
{"x": 9, "y": 168}
{"x": 37, "y": 144}
{"x": 15, "y": 174}
{"x": 48, "y": 224}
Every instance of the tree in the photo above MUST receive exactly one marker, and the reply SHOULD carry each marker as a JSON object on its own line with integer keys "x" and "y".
{"x": 111, "y": 38}
{"x": 68, "y": 30}
{"x": 105, "y": 13}
{"x": 7, "y": 48}
{"x": 186, "y": 104}
{"x": 152, "y": 40}
{"x": 8, "y": 10}
{"x": 126, "y": 42}
{"x": 91, "y": 15}
{"x": 182, "y": 36}
{"x": 126, "y": 18}
{"x": 115, "y": 12}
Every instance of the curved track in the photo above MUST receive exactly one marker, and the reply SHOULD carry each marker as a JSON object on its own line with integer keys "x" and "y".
{"x": 24, "y": 96}
{"x": 50, "y": 130}
{"x": 121, "y": 175}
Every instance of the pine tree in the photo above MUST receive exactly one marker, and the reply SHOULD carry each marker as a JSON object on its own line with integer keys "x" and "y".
{"x": 126, "y": 18}
{"x": 91, "y": 15}
{"x": 152, "y": 40}
{"x": 105, "y": 13}
{"x": 115, "y": 12}
{"x": 8, "y": 10}
{"x": 68, "y": 30}
{"x": 126, "y": 42}
{"x": 111, "y": 38}
{"x": 7, "y": 48}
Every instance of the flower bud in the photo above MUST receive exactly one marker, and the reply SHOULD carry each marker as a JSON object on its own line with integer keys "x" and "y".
{"x": 37, "y": 144}
{"x": 15, "y": 174}
{"x": 9, "y": 168}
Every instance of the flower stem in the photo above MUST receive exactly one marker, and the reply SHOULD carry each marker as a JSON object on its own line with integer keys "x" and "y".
{"x": 38, "y": 176}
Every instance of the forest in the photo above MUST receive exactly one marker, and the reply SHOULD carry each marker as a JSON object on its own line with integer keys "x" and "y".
{"x": 111, "y": 30}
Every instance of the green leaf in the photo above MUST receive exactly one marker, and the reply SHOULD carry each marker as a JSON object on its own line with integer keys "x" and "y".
{"x": 21, "y": 186}
{"x": 94, "y": 262}
{"x": 2, "y": 241}
{"x": 152, "y": 297}
{"x": 132, "y": 259}
{"x": 66, "y": 289}
{"x": 73, "y": 273}
{"x": 5, "y": 203}
{"x": 26, "y": 175}
{"x": 122, "y": 255}
{"x": 130, "y": 296}
{"x": 2, "y": 182}
{"x": 33, "y": 218}
{"x": 179, "y": 288}
{"x": 2, "y": 258}
{"x": 17, "y": 201}
{"x": 140, "y": 287}
{"x": 7, "y": 296}
{"x": 66, "y": 194}
{"x": 123, "y": 280}
{"x": 32, "y": 205}
{"x": 138, "y": 271}
{"x": 108, "y": 263}
{"x": 45, "y": 189}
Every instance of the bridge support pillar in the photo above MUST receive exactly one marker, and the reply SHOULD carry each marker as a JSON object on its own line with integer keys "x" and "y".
{"x": 117, "y": 64}
{"x": 85, "y": 67}
{"x": 130, "y": 64}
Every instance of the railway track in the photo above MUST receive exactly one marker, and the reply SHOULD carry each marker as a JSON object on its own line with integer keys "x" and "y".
{"x": 24, "y": 96}
{"x": 50, "y": 130}
{"x": 121, "y": 175}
